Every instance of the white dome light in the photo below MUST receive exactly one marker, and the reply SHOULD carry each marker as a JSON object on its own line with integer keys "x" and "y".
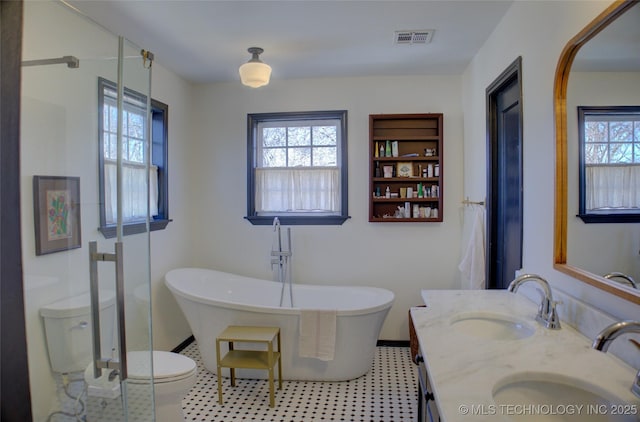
{"x": 255, "y": 73}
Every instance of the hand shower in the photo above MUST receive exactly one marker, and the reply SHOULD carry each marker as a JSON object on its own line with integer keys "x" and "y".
{"x": 281, "y": 259}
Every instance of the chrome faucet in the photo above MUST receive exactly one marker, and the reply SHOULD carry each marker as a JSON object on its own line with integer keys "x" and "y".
{"x": 610, "y": 333}
{"x": 623, "y": 276}
{"x": 547, "y": 313}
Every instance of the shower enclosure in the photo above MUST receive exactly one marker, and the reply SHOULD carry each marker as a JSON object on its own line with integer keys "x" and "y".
{"x": 65, "y": 55}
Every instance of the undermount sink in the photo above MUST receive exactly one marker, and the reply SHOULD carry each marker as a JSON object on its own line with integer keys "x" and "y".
{"x": 492, "y": 326}
{"x": 542, "y": 397}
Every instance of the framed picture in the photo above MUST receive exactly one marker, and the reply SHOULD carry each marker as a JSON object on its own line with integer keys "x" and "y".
{"x": 56, "y": 212}
{"x": 405, "y": 169}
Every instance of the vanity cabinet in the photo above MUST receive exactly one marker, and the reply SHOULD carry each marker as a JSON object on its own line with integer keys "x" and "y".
{"x": 406, "y": 168}
{"x": 427, "y": 408}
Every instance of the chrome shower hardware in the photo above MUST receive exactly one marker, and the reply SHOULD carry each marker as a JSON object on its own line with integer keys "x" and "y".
{"x": 281, "y": 258}
{"x": 71, "y": 62}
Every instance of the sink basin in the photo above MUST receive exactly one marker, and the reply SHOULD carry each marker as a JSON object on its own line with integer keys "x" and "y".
{"x": 549, "y": 397}
{"x": 492, "y": 326}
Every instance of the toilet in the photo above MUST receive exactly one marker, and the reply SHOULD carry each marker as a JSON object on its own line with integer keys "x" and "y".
{"x": 68, "y": 332}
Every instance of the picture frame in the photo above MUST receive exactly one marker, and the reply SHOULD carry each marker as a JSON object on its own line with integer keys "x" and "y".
{"x": 56, "y": 212}
{"x": 405, "y": 169}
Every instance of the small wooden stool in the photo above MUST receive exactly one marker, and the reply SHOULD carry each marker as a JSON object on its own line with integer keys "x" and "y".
{"x": 249, "y": 359}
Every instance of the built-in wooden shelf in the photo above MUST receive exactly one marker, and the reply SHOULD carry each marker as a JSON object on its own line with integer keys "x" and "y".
{"x": 415, "y": 147}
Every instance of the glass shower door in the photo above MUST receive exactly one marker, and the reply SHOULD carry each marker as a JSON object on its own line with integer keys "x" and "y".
{"x": 69, "y": 178}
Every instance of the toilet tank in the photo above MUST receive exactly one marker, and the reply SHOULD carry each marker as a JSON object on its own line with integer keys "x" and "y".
{"x": 67, "y": 325}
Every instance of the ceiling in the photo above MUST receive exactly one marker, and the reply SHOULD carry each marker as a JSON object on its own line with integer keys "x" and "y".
{"x": 206, "y": 41}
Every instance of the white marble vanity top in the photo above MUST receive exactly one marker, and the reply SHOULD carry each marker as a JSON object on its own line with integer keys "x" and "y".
{"x": 464, "y": 369}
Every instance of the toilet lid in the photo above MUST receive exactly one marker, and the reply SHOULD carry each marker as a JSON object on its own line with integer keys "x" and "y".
{"x": 166, "y": 365}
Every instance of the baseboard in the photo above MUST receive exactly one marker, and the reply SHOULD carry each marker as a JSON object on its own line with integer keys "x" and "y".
{"x": 393, "y": 343}
{"x": 180, "y": 347}
{"x": 380, "y": 343}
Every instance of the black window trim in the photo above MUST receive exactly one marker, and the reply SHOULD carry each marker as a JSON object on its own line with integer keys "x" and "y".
{"x": 262, "y": 220}
{"x": 159, "y": 122}
{"x": 622, "y": 216}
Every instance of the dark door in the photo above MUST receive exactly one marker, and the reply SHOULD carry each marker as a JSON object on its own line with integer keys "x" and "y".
{"x": 15, "y": 396}
{"x": 504, "y": 190}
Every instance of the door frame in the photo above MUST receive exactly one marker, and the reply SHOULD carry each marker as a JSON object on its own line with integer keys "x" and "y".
{"x": 511, "y": 73}
{"x": 15, "y": 393}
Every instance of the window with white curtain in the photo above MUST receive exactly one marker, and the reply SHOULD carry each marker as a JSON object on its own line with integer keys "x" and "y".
{"x": 135, "y": 155}
{"x": 609, "y": 163}
{"x": 297, "y": 167}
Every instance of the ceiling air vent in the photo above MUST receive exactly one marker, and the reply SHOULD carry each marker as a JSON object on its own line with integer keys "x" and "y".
{"x": 414, "y": 37}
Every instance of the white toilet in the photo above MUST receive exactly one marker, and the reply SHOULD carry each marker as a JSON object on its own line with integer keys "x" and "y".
{"x": 68, "y": 331}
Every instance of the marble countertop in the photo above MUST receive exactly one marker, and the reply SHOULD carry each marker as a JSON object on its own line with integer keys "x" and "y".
{"x": 464, "y": 368}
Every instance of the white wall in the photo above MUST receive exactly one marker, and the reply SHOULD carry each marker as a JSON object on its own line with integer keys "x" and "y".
{"x": 171, "y": 247}
{"x": 537, "y": 31}
{"x": 404, "y": 258}
{"x": 59, "y": 136}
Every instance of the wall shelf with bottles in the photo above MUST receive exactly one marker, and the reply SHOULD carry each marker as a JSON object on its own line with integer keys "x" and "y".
{"x": 405, "y": 167}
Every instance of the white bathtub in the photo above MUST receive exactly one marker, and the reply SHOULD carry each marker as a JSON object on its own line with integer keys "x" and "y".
{"x": 211, "y": 300}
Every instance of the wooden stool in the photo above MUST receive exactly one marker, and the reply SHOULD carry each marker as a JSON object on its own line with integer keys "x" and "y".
{"x": 249, "y": 359}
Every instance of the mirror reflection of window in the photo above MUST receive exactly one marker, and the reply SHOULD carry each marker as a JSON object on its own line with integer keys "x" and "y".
{"x": 609, "y": 163}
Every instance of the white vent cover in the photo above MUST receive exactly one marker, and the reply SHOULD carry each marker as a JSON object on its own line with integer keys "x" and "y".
{"x": 414, "y": 36}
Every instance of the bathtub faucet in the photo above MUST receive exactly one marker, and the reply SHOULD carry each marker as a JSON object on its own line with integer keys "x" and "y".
{"x": 282, "y": 258}
{"x": 279, "y": 256}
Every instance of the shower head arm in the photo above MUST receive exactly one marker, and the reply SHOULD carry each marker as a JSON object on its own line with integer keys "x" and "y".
{"x": 71, "y": 62}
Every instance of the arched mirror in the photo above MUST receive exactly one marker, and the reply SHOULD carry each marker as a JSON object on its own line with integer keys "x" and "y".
{"x": 597, "y": 91}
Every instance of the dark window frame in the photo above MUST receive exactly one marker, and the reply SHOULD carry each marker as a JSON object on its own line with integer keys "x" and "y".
{"x": 252, "y": 122}
{"x": 608, "y": 216}
{"x": 159, "y": 157}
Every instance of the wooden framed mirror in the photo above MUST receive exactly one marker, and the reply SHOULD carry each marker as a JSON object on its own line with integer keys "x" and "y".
{"x": 566, "y": 144}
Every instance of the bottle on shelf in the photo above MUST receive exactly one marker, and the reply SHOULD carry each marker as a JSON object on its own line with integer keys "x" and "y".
{"x": 397, "y": 141}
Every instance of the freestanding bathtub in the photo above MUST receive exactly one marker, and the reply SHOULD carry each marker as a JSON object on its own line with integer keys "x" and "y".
{"x": 211, "y": 300}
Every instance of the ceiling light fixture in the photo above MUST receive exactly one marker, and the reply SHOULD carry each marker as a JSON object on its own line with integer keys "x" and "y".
{"x": 255, "y": 73}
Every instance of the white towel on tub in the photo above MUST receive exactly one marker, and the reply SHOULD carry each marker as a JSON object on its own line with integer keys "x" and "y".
{"x": 317, "y": 336}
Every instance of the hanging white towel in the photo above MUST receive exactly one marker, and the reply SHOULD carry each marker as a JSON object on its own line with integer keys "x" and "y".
{"x": 317, "y": 336}
{"x": 472, "y": 265}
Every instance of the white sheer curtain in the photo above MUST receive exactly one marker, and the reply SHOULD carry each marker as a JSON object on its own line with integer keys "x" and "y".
{"x": 612, "y": 187}
{"x": 134, "y": 192}
{"x": 306, "y": 189}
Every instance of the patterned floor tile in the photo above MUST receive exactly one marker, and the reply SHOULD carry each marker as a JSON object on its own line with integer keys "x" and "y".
{"x": 386, "y": 393}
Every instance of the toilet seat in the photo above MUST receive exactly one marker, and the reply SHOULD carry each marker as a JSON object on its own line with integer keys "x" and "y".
{"x": 167, "y": 367}
{"x": 174, "y": 376}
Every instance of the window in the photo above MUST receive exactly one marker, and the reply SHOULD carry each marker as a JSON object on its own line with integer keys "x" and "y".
{"x": 297, "y": 167}
{"x": 609, "y": 164}
{"x": 134, "y": 172}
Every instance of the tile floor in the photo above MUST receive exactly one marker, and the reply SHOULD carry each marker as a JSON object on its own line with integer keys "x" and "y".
{"x": 386, "y": 393}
